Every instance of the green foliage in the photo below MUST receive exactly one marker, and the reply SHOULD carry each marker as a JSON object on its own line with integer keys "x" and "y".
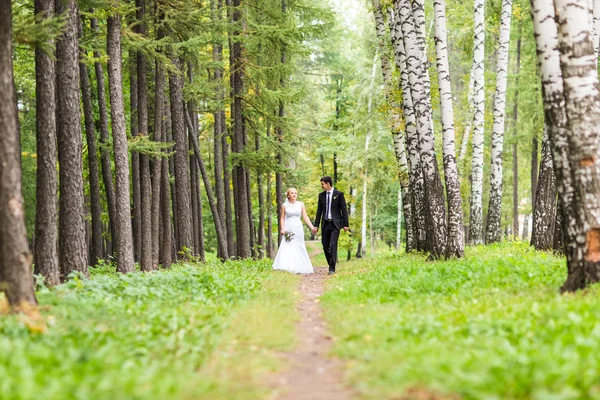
{"x": 492, "y": 325}
{"x": 143, "y": 335}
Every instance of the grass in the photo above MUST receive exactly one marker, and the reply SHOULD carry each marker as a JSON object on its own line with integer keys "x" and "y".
{"x": 490, "y": 326}
{"x": 195, "y": 331}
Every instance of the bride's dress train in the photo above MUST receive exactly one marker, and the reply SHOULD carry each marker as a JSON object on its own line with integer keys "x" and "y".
{"x": 292, "y": 256}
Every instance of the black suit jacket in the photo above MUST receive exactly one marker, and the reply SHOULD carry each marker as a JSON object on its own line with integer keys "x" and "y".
{"x": 339, "y": 211}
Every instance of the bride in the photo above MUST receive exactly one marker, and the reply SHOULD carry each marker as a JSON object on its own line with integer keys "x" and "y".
{"x": 292, "y": 255}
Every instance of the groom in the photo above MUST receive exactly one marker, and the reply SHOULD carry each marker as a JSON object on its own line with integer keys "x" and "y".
{"x": 332, "y": 207}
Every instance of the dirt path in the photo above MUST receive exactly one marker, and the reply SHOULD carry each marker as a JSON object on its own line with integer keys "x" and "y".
{"x": 312, "y": 373}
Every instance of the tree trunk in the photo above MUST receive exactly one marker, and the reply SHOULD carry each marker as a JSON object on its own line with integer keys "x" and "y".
{"x": 144, "y": 207}
{"x": 261, "y": 205}
{"x": 515, "y": 153}
{"x": 455, "y": 246}
{"x": 182, "y": 173}
{"x": 434, "y": 192}
{"x": 582, "y": 96}
{"x": 219, "y": 132}
{"x": 105, "y": 160}
{"x": 165, "y": 192}
{"x": 16, "y": 280}
{"x": 196, "y": 186}
{"x": 546, "y": 36}
{"x": 135, "y": 157}
{"x": 534, "y": 168}
{"x": 45, "y": 252}
{"x": 396, "y": 128}
{"x": 157, "y": 187}
{"x": 94, "y": 174}
{"x": 476, "y": 218}
{"x": 219, "y": 227}
{"x": 469, "y": 125}
{"x": 493, "y": 232}
{"x": 242, "y": 216}
{"x": 596, "y": 26}
{"x": 416, "y": 184}
{"x": 124, "y": 242}
{"x": 544, "y": 212}
{"x": 72, "y": 246}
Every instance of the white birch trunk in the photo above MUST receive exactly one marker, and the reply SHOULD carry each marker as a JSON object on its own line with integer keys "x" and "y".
{"x": 434, "y": 192}
{"x": 396, "y": 123}
{"x": 417, "y": 191}
{"x": 399, "y": 221}
{"x": 476, "y": 220}
{"x": 596, "y": 26}
{"x": 582, "y": 100}
{"x": 493, "y": 232}
{"x": 469, "y": 125}
{"x": 455, "y": 243}
{"x": 546, "y": 37}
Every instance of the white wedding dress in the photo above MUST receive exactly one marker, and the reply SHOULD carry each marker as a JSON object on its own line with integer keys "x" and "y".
{"x": 292, "y": 256}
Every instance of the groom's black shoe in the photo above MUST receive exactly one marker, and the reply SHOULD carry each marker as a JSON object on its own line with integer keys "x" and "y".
{"x": 331, "y": 272}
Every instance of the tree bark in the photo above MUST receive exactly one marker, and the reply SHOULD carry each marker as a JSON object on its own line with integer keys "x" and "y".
{"x": 124, "y": 241}
{"x": 45, "y": 251}
{"x": 219, "y": 227}
{"x": 416, "y": 184}
{"x": 219, "y": 132}
{"x": 157, "y": 187}
{"x": 261, "y": 205}
{"x": 515, "y": 153}
{"x": 582, "y": 96}
{"x": 544, "y": 212}
{"x": 16, "y": 280}
{"x": 165, "y": 192}
{"x": 143, "y": 209}
{"x": 398, "y": 135}
{"x": 105, "y": 160}
{"x": 434, "y": 192}
{"x": 476, "y": 217}
{"x": 182, "y": 173}
{"x": 135, "y": 157}
{"x": 72, "y": 246}
{"x": 493, "y": 232}
{"x": 242, "y": 216}
{"x": 455, "y": 245}
{"x": 93, "y": 169}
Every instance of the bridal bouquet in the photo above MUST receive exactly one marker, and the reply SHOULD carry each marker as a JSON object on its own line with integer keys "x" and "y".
{"x": 288, "y": 236}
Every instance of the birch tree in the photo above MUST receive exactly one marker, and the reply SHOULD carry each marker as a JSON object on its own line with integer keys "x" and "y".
{"x": 434, "y": 196}
{"x": 582, "y": 101}
{"x": 493, "y": 232}
{"x": 544, "y": 212}
{"x": 396, "y": 127}
{"x": 476, "y": 217}
{"x": 455, "y": 245}
{"x": 416, "y": 184}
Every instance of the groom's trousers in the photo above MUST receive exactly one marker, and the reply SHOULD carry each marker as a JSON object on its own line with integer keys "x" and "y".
{"x": 329, "y": 240}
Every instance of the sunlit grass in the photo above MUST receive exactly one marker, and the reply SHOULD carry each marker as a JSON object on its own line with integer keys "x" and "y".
{"x": 492, "y": 325}
{"x": 195, "y": 331}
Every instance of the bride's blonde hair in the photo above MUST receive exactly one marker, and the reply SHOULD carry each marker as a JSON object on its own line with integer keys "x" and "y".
{"x": 287, "y": 192}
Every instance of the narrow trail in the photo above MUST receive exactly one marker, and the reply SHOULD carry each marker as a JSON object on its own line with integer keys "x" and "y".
{"x": 312, "y": 373}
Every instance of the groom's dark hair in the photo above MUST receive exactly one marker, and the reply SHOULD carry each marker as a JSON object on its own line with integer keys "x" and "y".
{"x": 327, "y": 179}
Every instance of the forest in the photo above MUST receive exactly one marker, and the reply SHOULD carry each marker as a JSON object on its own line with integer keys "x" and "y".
{"x": 148, "y": 149}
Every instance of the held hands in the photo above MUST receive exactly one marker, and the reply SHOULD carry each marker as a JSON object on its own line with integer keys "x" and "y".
{"x": 314, "y": 230}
